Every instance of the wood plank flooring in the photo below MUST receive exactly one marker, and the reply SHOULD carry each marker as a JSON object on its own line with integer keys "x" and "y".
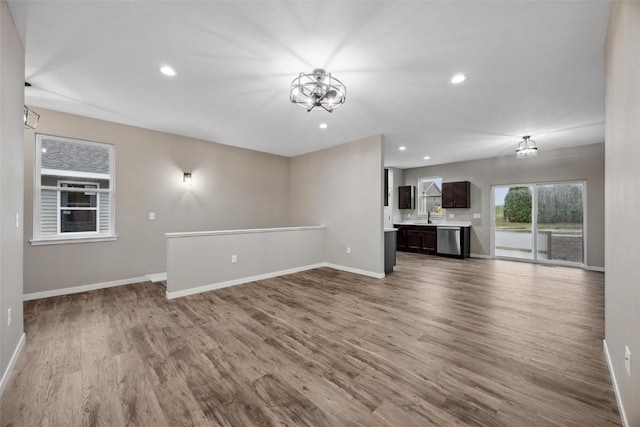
{"x": 438, "y": 342}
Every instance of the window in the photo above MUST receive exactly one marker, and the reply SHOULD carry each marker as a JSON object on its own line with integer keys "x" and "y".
{"x": 74, "y": 191}
{"x": 430, "y": 196}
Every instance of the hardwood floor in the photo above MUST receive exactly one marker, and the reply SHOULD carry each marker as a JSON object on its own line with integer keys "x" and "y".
{"x": 438, "y": 342}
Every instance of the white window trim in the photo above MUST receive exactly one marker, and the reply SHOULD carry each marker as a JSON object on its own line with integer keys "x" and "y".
{"x": 80, "y": 237}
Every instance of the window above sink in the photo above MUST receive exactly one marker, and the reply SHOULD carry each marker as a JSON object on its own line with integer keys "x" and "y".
{"x": 430, "y": 197}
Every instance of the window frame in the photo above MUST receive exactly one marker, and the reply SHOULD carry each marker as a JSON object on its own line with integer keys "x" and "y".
{"x": 72, "y": 237}
{"x": 59, "y": 208}
{"x": 422, "y": 213}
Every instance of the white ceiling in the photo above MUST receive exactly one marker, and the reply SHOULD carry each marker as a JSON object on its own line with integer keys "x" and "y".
{"x": 533, "y": 67}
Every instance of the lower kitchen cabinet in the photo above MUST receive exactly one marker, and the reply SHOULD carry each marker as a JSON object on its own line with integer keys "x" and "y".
{"x": 424, "y": 239}
{"x": 417, "y": 238}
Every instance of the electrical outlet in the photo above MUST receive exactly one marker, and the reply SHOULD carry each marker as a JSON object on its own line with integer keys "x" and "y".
{"x": 452, "y": 215}
{"x": 476, "y": 215}
{"x": 152, "y": 216}
{"x": 348, "y": 249}
{"x": 17, "y": 220}
{"x": 627, "y": 359}
{"x": 9, "y": 317}
{"x": 234, "y": 259}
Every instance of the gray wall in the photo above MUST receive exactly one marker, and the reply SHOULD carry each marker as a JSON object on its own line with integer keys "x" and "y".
{"x": 11, "y": 165}
{"x": 577, "y": 163}
{"x": 232, "y": 188}
{"x": 622, "y": 287}
{"x": 341, "y": 187}
{"x": 204, "y": 260}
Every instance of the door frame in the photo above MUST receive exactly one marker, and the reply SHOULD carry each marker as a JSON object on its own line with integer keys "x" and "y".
{"x": 534, "y": 223}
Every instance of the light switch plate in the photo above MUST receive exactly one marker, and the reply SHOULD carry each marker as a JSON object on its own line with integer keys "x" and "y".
{"x": 477, "y": 215}
{"x": 152, "y": 216}
{"x": 627, "y": 359}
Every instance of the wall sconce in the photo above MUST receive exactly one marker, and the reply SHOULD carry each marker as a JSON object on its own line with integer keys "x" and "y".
{"x": 186, "y": 178}
{"x": 30, "y": 118}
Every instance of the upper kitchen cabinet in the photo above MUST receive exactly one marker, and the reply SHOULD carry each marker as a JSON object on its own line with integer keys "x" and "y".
{"x": 456, "y": 194}
{"x": 406, "y": 198}
{"x": 386, "y": 187}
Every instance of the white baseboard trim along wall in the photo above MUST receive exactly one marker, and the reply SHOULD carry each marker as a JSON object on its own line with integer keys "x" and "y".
{"x": 159, "y": 277}
{"x": 235, "y": 282}
{"x": 14, "y": 358}
{"x": 623, "y": 415}
{"x": 83, "y": 288}
{"x": 220, "y": 285}
{"x": 354, "y": 270}
{"x": 156, "y": 277}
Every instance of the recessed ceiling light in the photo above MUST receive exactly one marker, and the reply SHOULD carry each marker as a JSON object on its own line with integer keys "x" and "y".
{"x": 458, "y": 78}
{"x": 402, "y": 148}
{"x": 167, "y": 70}
{"x": 322, "y": 125}
{"x": 426, "y": 157}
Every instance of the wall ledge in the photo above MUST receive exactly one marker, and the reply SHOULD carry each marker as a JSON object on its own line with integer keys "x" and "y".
{"x": 242, "y": 231}
{"x": 616, "y": 390}
{"x": 14, "y": 358}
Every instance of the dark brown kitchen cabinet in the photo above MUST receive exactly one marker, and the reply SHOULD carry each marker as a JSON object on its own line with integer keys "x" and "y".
{"x": 416, "y": 238}
{"x": 456, "y": 194}
{"x": 386, "y": 187}
{"x": 401, "y": 238}
{"x": 406, "y": 197}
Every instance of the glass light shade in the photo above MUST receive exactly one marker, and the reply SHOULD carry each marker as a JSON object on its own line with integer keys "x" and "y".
{"x": 30, "y": 117}
{"x": 526, "y": 148}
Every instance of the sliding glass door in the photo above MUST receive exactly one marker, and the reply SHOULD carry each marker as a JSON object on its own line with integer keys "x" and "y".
{"x": 539, "y": 222}
{"x": 513, "y": 231}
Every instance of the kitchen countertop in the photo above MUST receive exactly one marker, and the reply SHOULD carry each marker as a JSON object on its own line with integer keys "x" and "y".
{"x": 437, "y": 224}
{"x": 387, "y": 230}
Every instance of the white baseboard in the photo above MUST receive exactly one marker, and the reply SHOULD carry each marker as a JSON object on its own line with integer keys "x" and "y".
{"x": 234, "y": 282}
{"x": 479, "y": 256}
{"x": 156, "y": 277}
{"x": 12, "y": 362}
{"x": 594, "y": 268}
{"x": 623, "y": 415}
{"x": 84, "y": 288}
{"x": 355, "y": 270}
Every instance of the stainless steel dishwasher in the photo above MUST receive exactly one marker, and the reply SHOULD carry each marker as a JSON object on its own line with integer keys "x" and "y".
{"x": 449, "y": 241}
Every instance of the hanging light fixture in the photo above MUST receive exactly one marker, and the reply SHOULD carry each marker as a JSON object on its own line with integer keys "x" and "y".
{"x": 318, "y": 91}
{"x": 30, "y": 118}
{"x": 526, "y": 148}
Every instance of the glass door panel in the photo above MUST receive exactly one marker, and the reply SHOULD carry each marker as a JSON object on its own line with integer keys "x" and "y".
{"x": 560, "y": 222}
{"x": 513, "y": 227}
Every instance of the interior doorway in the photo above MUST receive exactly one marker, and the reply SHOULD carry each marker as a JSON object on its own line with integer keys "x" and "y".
{"x": 539, "y": 222}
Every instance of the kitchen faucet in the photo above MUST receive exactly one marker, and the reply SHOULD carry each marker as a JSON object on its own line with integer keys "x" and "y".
{"x": 429, "y": 217}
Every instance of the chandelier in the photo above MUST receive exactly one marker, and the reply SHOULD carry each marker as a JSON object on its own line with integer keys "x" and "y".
{"x": 526, "y": 148}
{"x": 317, "y": 91}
